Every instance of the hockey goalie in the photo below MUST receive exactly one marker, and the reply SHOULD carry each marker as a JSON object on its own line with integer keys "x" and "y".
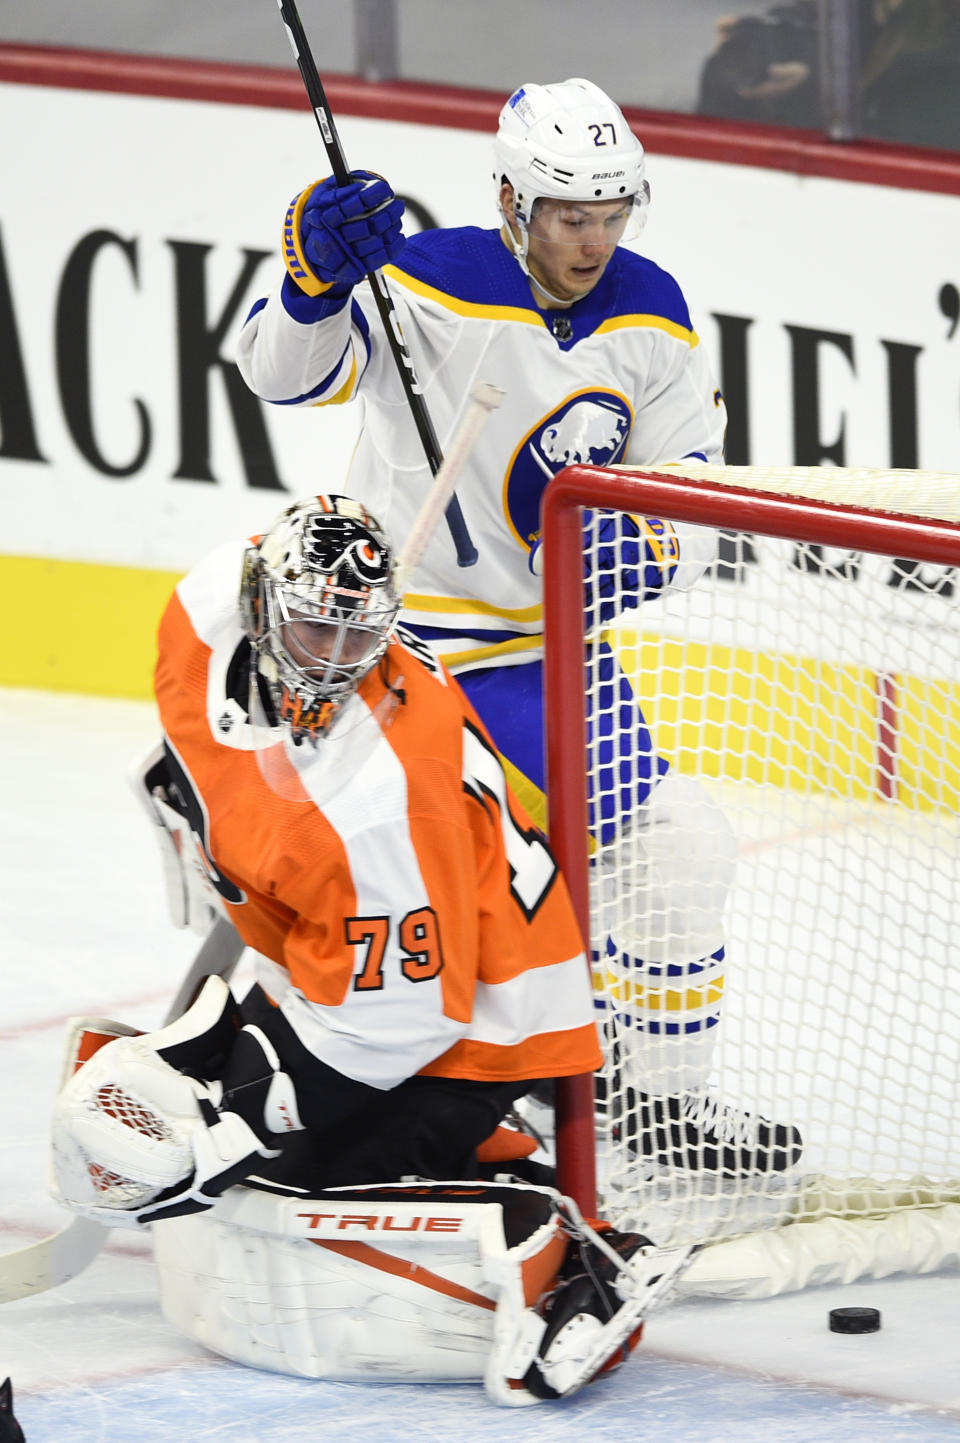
{"x": 332, "y": 1192}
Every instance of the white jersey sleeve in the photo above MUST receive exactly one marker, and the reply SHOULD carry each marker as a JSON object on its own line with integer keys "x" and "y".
{"x": 299, "y": 350}
{"x": 625, "y": 380}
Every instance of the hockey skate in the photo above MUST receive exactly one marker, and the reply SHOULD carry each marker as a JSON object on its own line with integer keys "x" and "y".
{"x": 697, "y": 1132}
{"x": 692, "y": 1132}
{"x": 592, "y": 1318}
{"x": 10, "y": 1430}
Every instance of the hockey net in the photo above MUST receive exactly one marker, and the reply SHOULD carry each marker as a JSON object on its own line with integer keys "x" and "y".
{"x": 809, "y": 683}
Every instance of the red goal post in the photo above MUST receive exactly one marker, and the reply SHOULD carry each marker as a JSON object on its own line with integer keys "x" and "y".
{"x": 862, "y": 749}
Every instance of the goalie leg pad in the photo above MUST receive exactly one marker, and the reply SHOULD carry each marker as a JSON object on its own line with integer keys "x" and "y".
{"x": 590, "y": 1319}
{"x": 414, "y": 1282}
{"x": 394, "y": 1282}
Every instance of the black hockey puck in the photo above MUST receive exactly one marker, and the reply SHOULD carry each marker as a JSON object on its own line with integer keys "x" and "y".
{"x": 854, "y": 1320}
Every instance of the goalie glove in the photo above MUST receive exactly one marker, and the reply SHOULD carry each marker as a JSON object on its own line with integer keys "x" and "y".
{"x": 334, "y": 235}
{"x": 137, "y": 1137}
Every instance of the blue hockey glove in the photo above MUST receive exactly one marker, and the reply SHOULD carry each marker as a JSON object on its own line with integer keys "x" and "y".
{"x": 626, "y": 559}
{"x": 335, "y": 235}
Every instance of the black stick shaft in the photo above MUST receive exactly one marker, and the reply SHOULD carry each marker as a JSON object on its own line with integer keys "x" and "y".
{"x": 466, "y": 551}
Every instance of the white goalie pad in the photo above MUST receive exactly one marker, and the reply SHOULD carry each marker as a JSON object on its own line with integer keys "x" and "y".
{"x": 192, "y": 899}
{"x": 590, "y": 1320}
{"x": 396, "y": 1282}
{"x": 406, "y": 1282}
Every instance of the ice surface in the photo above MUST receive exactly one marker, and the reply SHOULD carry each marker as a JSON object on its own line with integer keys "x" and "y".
{"x": 83, "y": 929}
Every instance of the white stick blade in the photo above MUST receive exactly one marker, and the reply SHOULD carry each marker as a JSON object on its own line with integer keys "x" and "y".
{"x": 51, "y": 1261}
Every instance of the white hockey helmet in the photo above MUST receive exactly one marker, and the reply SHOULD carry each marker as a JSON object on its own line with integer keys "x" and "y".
{"x": 319, "y": 603}
{"x": 568, "y": 141}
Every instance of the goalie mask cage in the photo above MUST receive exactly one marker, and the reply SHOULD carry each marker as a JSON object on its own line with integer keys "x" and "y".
{"x": 810, "y": 682}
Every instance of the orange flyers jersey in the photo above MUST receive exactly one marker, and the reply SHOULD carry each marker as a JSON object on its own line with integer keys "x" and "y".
{"x": 412, "y": 916}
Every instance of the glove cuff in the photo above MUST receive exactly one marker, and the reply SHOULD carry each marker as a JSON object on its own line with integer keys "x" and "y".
{"x": 298, "y": 267}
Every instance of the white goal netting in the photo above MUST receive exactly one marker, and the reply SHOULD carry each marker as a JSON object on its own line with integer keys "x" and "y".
{"x": 773, "y": 886}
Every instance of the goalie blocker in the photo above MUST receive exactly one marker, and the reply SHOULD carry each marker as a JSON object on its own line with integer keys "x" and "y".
{"x": 414, "y": 1282}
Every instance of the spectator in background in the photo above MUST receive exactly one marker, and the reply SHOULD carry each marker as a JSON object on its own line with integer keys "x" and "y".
{"x": 767, "y": 68}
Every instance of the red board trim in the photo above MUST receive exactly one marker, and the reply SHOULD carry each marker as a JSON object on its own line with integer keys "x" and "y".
{"x": 798, "y": 152}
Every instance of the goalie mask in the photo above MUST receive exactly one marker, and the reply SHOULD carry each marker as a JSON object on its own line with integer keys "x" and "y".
{"x": 319, "y": 603}
{"x": 568, "y": 142}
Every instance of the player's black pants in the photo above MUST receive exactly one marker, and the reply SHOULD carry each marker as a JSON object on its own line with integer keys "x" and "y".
{"x": 426, "y": 1127}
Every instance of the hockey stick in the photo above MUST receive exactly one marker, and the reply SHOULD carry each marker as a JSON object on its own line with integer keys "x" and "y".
{"x": 61, "y": 1256}
{"x": 218, "y": 956}
{"x": 466, "y": 551}
{"x": 484, "y": 398}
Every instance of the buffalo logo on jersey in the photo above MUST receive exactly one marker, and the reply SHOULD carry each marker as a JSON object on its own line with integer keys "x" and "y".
{"x": 590, "y": 427}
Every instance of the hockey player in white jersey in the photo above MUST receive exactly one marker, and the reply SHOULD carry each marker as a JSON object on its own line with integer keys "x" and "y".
{"x": 594, "y": 347}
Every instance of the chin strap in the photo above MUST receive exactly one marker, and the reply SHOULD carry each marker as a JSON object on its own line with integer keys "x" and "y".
{"x": 520, "y": 249}
{"x": 544, "y": 292}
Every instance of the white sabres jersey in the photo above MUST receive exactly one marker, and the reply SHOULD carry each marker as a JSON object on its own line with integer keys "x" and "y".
{"x": 629, "y": 383}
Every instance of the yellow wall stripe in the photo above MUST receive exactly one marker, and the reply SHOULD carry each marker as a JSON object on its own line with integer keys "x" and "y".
{"x": 785, "y": 721}
{"x": 81, "y": 627}
{"x": 792, "y": 721}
